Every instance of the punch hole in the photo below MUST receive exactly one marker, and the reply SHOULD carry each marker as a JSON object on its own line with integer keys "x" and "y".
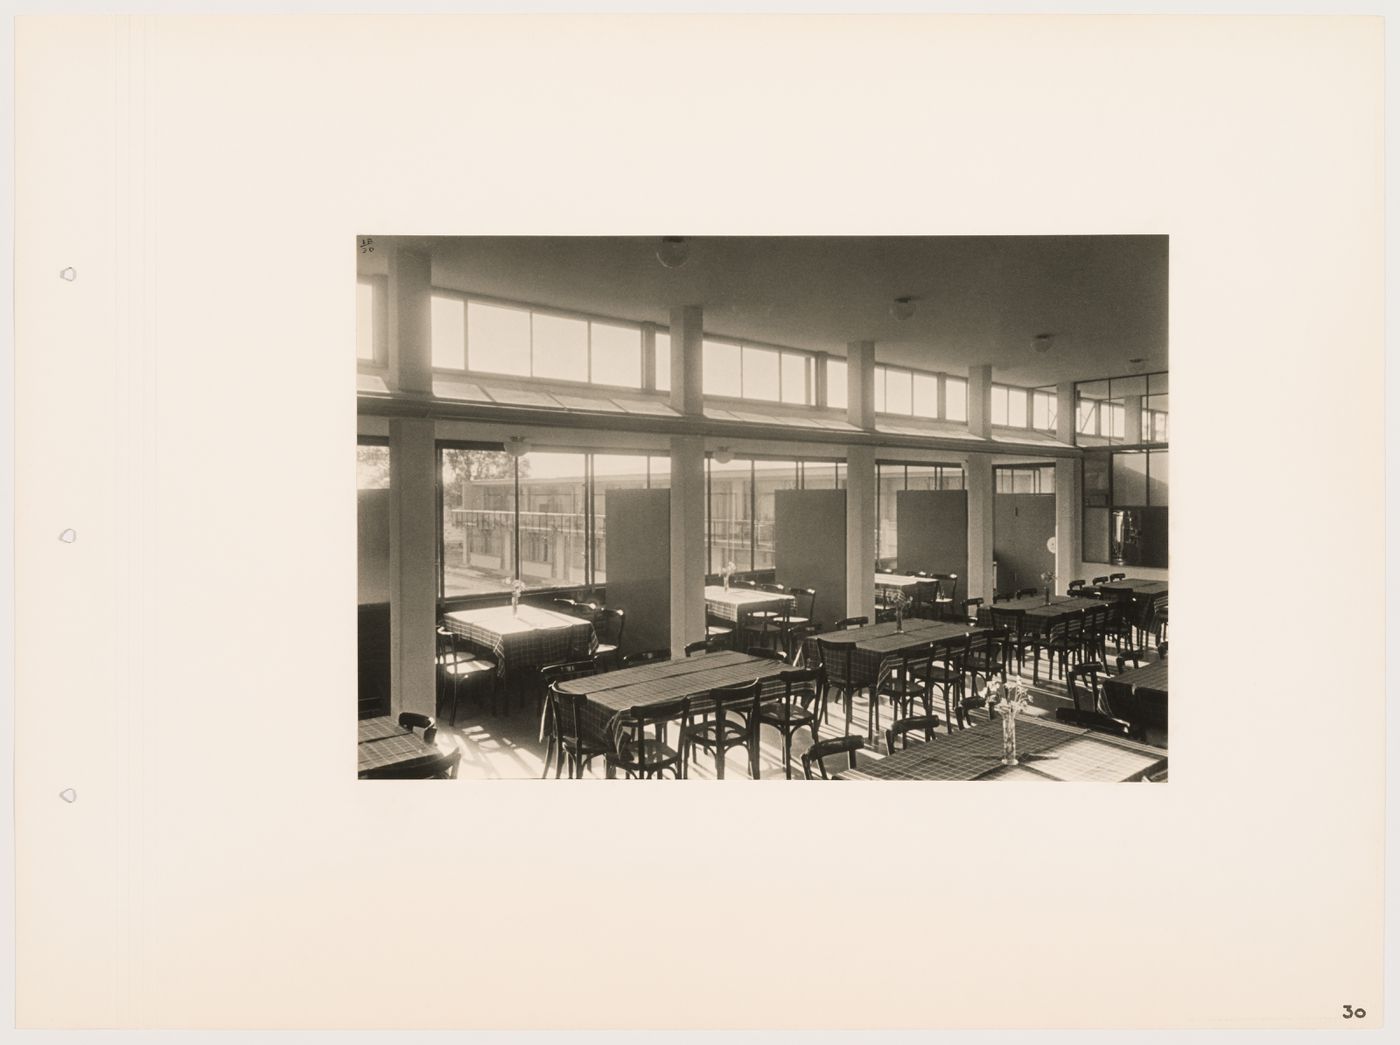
{"x": 68, "y": 536}
{"x": 70, "y": 274}
{"x": 68, "y": 795}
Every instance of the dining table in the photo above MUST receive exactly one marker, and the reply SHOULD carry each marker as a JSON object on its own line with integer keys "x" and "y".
{"x": 1046, "y": 751}
{"x": 383, "y": 743}
{"x": 734, "y": 604}
{"x": 609, "y": 696}
{"x": 1139, "y": 697}
{"x": 900, "y": 582}
{"x": 524, "y": 638}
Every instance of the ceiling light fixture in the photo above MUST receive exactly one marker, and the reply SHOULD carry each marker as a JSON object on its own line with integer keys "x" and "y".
{"x": 902, "y": 308}
{"x": 673, "y": 252}
{"x": 724, "y": 455}
{"x": 517, "y": 446}
{"x": 1044, "y": 342}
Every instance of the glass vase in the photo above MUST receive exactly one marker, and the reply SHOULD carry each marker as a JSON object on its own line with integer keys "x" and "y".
{"x": 515, "y": 605}
{"x": 1008, "y": 739}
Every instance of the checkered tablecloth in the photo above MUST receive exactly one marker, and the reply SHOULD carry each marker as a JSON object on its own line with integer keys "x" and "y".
{"x": 735, "y": 603}
{"x": 892, "y": 582}
{"x": 1046, "y": 751}
{"x": 383, "y": 742}
{"x": 1140, "y": 695}
{"x": 876, "y": 644}
{"x": 522, "y": 642}
{"x": 614, "y": 692}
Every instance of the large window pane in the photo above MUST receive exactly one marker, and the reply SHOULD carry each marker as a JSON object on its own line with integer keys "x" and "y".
{"x": 1044, "y": 410}
{"x": 769, "y": 476}
{"x": 1130, "y": 479}
{"x": 889, "y": 481}
{"x": 372, "y": 524}
{"x": 721, "y": 369}
{"x": 498, "y": 339}
{"x": 560, "y": 351}
{"x": 611, "y": 472}
{"x": 761, "y": 379}
{"x": 899, "y": 395}
{"x": 616, "y": 355}
{"x": 445, "y": 319}
{"x": 923, "y": 477}
{"x": 880, "y": 381}
{"x": 951, "y": 478}
{"x": 659, "y": 472}
{"x": 999, "y": 404}
{"x": 552, "y": 528}
{"x": 797, "y": 368}
{"x": 1016, "y": 407}
{"x": 955, "y": 398}
{"x": 925, "y": 395}
{"x": 364, "y": 321}
{"x": 836, "y": 383}
{"x": 478, "y": 521}
{"x": 1157, "y": 478}
{"x": 729, "y": 520}
{"x": 663, "y": 362}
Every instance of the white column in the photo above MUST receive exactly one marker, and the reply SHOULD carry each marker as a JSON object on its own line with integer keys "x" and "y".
{"x": 1064, "y": 412}
{"x": 979, "y": 526}
{"x": 979, "y": 404}
{"x": 1068, "y": 501}
{"x": 860, "y": 532}
{"x": 687, "y": 360}
{"x": 412, "y": 565}
{"x": 687, "y": 540}
{"x": 860, "y": 385}
{"x": 410, "y": 322}
{"x": 1132, "y": 419}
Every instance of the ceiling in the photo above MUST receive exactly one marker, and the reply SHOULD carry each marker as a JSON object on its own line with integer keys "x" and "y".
{"x": 979, "y": 299}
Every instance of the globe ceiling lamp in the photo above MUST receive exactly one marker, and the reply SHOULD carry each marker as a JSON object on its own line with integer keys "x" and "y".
{"x": 517, "y": 446}
{"x": 903, "y": 308}
{"x": 673, "y": 252}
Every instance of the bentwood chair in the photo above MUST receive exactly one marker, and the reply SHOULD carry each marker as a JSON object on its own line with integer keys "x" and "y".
{"x": 925, "y": 600}
{"x": 552, "y": 675}
{"x": 701, "y": 646}
{"x": 771, "y": 622}
{"x": 1062, "y": 643}
{"x": 1075, "y": 585}
{"x": 789, "y": 712}
{"x": 720, "y": 734}
{"x": 838, "y": 660}
{"x": 797, "y": 637}
{"x": 573, "y": 737}
{"x": 987, "y": 654}
{"x": 1100, "y": 580}
{"x": 846, "y": 623}
{"x": 1117, "y": 577}
{"x": 765, "y": 652}
{"x": 461, "y": 671}
{"x": 1022, "y": 593}
{"x": 1095, "y": 720}
{"x": 638, "y": 755}
{"x": 1130, "y": 655}
{"x": 947, "y": 674}
{"x": 443, "y": 767}
{"x": 947, "y": 596}
{"x": 824, "y": 749}
{"x": 609, "y": 625}
{"x": 971, "y": 608}
{"x": 649, "y": 656}
{"x": 901, "y": 729}
{"x": 905, "y": 679}
{"x": 1085, "y": 678}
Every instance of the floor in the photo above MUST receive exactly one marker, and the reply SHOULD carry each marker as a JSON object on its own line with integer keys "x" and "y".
{"x": 509, "y": 746}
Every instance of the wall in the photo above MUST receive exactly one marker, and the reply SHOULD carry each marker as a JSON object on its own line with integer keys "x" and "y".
{"x": 809, "y": 538}
{"x": 1022, "y": 523}
{"x": 933, "y": 532}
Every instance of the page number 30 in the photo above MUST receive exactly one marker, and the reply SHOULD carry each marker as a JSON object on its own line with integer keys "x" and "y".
{"x": 1349, "y": 1013}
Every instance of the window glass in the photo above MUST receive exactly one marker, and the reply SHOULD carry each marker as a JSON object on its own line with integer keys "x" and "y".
{"x": 889, "y": 481}
{"x": 615, "y": 355}
{"x": 551, "y": 521}
{"x": 1016, "y": 407}
{"x": 818, "y": 475}
{"x": 478, "y": 521}
{"x": 797, "y": 369}
{"x": 925, "y": 395}
{"x": 446, "y": 331}
{"x": 899, "y": 392}
{"x": 923, "y": 477}
{"x": 663, "y": 362}
{"x": 950, "y": 478}
{"x": 768, "y": 477}
{"x": 364, "y": 321}
{"x": 611, "y": 472}
{"x": 1157, "y": 477}
{"x": 560, "y": 352}
{"x": 498, "y": 339}
{"x": 1111, "y": 421}
{"x": 998, "y": 404}
{"x": 372, "y": 523}
{"x": 955, "y": 398}
{"x": 721, "y": 369}
{"x": 659, "y": 472}
{"x": 760, "y": 379}
{"x": 880, "y": 389}
{"x": 729, "y": 521}
{"x": 1044, "y": 411}
{"x": 1130, "y": 479}
{"x": 836, "y": 383}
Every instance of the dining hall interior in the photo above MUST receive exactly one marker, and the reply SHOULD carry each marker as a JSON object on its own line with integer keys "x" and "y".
{"x": 779, "y": 508}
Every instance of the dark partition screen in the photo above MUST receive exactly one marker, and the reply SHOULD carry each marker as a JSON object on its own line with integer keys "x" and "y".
{"x": 809, "y": 538}
{"x": 1022, "y": 523}
{"x": 932, "y": 528}
{"x": 637, "y": 564}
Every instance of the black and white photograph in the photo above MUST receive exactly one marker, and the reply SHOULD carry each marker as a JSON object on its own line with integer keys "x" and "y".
{"x": 762, "y": 508}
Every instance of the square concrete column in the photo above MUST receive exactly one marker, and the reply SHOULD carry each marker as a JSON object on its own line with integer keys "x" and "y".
{"x": 1068, "y": 509}
{"x": 687, "y": 360}
{"x": 412, "y": 565}
{"x": 860, "y": 386}
{"x": 688, "y": 564}
{"x": 979, "y": 403}
{"x": 1064, "y": 413}
{"x": 979, "y": 527}
{"x": 1132, "y": 420}
{"x": 860, "y": 532}
{"x": 410, "y": 322}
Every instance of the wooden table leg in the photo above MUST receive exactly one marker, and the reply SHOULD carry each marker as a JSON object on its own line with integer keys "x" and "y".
{"x": 719, "y": 741}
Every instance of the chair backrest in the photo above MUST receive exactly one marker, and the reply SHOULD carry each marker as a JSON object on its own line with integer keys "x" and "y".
{"x": 801, "y": 596}
{"x": 776, "y": 589}
{"x": 742, "y": 695}
{"x": 1075, "y": 585}
{"x": 564, "y": 708}
{"x": 447, "y": 647}
{"x": 1117, "y": 576}
{"x": 1100, "y": 580}
{"x": 970, "y": 608}
{"x": 563, "y": 604}
{"x": 413, "y": 720}
{"x": 573, "y": 669}
{"x": 1085, "y": 676}
{"x": 1021, "y": 593}
{"x": 1095, "y": 720}
{"x": 836, "y": 659}
{"x": 609, "y": 626}
{"x": 633, "y": 721}
{"x": 952, "y": 652}
{"x": 824, "y": 749}
{"x": 646, "y": 656}
{"x": 799, "y": 681}
{"x": 851, "y": 622}
{"x": 915, "y": 663}
{"x": 1162, "y": 650}
{"x": 1000, "y": 596}
{"x": 444, "y": 767}
{"x": 799, "y": 633}
{"x": 765, "y": 652}
{"x": 700, "y": 646}
{"x": 904, "y": 726}
{"x": 1007, "y": 621}
{"x": 947, "y": 587}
